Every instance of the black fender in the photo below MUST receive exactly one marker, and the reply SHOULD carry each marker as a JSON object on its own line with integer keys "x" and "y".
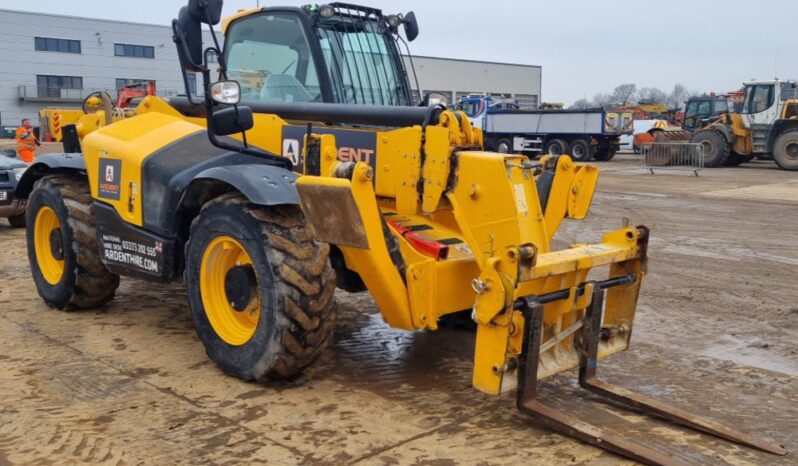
{"x": 265, "y": 185}
{"x": 725, "y": 130}
{"x": 47, "y": 164}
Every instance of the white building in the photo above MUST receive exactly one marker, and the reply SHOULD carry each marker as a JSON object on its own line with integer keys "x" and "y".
{"x": 56, "y": 61}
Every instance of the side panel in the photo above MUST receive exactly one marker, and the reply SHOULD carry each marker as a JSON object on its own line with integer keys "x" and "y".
{"x": 115, "y": 156}
{"x": 546, "y": 122}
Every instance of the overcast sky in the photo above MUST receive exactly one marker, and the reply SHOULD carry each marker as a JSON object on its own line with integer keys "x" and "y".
{"x": 584, "y": 46}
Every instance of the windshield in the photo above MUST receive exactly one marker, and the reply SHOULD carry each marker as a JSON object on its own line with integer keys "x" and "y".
{"x": 362, "y": 60}
{"x": 268, "y": 54}
{"x": 701, "y": 107}
{"x": 472, "y": 108}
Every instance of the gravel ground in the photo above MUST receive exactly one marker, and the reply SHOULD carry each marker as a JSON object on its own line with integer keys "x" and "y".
{"x": 716, "y": 333}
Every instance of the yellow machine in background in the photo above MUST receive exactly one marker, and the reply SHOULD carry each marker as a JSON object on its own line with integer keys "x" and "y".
{"x": 766, "y": 128}
{"x": 325, "y": 177}
{"x": 52, "y": 120}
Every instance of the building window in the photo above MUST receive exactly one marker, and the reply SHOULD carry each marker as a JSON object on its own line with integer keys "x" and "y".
{"x": 191, "y": 78}
{"x": 49, "y": 44}
{"x": 129, "y": 82}
{"x": 138, "y": 51}
{"x": 52, "y": 86}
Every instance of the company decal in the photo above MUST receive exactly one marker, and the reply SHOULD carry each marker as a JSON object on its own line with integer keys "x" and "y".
{"x": 109, "y": 179}
{"x": 353, "y": 145}
{"x": 142, "y": 254}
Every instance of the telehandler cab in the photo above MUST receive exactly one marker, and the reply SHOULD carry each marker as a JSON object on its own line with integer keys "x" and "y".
{"x": 324, "y": 175}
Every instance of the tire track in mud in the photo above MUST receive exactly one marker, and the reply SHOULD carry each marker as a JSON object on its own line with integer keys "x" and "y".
{"x": 85, "y": 411}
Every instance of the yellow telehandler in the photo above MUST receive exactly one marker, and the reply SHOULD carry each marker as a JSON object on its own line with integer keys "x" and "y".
{"x": 305, "y": 167}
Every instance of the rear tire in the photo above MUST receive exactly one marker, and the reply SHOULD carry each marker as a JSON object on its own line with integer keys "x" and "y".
{"x": 716, "y": 148}
{"x": 785, "y": 150}
{"x": 579, "y": 150}
{"x": 62, "y": 245}
{"x": 504, "y": 146}
{"x": 604, "y": 155}
{"x": 290, "y": 308}
{"x": 556, "y": 147}
{"x": 17, "y": 221}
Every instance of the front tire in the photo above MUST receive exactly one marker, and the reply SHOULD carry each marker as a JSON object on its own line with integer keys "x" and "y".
{"x": 503, "y": 146}
{"x": 785, "y": 150}
{"x": 259, "y": 287}
{"x": 62, "y": 245}
{"x": 716, "y": 148}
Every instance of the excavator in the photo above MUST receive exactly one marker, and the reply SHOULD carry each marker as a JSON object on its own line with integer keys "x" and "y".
{"x": 312, "y": 170}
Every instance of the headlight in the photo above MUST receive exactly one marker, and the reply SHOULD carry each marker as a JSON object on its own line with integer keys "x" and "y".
{"x": 326, "y": 11}
{"x": 18, "y": 172}
{"x": 226, "y": 92}
{"x": 394, "y": 21}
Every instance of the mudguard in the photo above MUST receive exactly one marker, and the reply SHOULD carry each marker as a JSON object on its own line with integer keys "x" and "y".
{"x": 262, "y": 184}
{"x": 45, "y": 164}
{"x": 725, "y": 130}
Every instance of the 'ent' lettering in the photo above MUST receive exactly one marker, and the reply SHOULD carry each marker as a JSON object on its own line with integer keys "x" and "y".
{"x": 350, "y": 154}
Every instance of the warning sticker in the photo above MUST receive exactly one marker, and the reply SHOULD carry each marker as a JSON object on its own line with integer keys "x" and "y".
{"x": 109, "y": 185}
{"x": 291, "y": 150}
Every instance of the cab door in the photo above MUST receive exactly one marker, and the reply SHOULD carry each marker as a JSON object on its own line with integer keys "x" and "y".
{"x": 761, "y": 105}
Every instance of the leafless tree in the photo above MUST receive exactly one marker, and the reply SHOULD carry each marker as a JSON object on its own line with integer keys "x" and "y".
{"x": 581, "y": 104}
{"x": 624, "y": 94}
{"x": 603, "y": 100}
{"x": 652, "y": 95}
{"x": 679, "y": 96}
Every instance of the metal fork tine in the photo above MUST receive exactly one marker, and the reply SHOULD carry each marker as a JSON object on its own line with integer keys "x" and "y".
{"x": 588, "y": 380}
{"x": 560, "y": 421}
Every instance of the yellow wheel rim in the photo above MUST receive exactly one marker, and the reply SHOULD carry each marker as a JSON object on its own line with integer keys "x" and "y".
{"x": 45, "y": 226}
{"x": 233, "y": 326}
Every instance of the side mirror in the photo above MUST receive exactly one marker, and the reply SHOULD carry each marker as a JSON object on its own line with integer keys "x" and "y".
{"x": 188, "y": 37}
{"x": 206, "y": 11}
{"x": 411, "y": 26}
{"x": 232, "y": 120}
{"x": 226, "y": 92}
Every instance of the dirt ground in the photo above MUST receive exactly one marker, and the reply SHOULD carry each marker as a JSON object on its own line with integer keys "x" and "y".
{"x": 716, "y": 333}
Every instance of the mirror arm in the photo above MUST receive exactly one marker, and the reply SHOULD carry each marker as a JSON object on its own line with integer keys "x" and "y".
{"x": 218, "y": 49}
{"x": 209, "y": 105}
{"x": 181, "y": 41}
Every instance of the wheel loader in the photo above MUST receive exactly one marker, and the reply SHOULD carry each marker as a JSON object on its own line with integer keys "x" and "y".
{"x": 304, "y": 168}
{"x": 767, "y": 128}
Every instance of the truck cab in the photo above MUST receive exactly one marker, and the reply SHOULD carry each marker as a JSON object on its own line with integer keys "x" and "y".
{"x": 476, "y": 107}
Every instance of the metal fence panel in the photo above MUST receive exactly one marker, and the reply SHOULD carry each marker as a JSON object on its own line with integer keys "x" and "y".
{"x": 683, "y": 156}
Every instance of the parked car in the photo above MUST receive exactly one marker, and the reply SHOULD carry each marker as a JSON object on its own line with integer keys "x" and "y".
{"x": 640, "y": 126}
{"x": 11, "y": 169}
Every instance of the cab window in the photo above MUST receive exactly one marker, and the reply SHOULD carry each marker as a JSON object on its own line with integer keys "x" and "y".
{"x": 759, "y": 98}
{"x": 268, "y": 54}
